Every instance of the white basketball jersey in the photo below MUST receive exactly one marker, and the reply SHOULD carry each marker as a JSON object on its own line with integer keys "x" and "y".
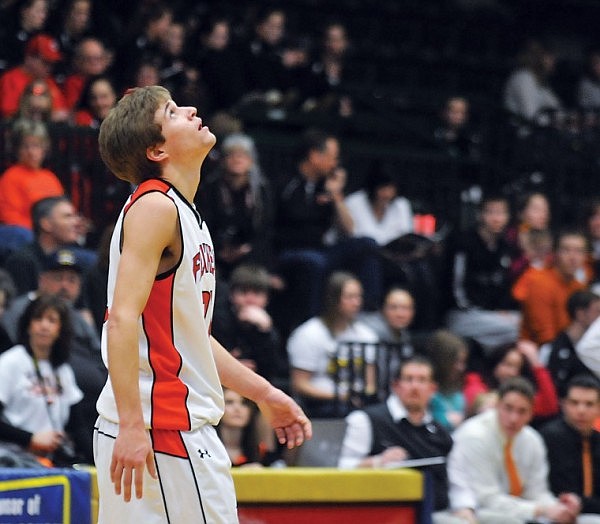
{"x": 179, "y": 384}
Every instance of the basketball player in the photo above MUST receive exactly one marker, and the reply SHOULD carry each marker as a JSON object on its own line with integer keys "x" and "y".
{"x": 155, "y": 433}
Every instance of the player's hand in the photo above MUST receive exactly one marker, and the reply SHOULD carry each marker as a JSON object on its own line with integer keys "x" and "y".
{"x": 131, "y": 455}
{"x": 291, "y": 425}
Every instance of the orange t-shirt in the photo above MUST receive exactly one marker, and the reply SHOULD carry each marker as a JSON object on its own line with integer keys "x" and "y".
{"x": 20, "y": 188}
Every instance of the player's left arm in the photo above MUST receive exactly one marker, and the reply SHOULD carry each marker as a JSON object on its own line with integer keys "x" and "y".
{"x": 288, "y": 420}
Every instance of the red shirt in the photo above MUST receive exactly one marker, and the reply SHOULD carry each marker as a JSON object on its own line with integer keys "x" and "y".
{"x": 12, "y": 84}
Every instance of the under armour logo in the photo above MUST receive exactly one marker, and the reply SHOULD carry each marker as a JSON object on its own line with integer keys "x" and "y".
{"x": 203, "y": 453}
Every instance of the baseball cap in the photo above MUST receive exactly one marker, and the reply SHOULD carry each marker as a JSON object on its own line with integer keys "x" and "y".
{"x": 249, "y": 277}
{"x": 45, "y": 47}
{"x": 62, "y": 259}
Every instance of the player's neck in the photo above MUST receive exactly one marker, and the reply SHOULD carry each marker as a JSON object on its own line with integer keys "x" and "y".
{"x": 184, "y": 179}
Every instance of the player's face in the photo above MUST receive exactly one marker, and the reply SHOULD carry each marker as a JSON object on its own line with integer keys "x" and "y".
{"x": 514, "y": 413}
{"x": 581, "y": 408}
{"x": 185, "y": 135}
{"x": 399, "y": 309}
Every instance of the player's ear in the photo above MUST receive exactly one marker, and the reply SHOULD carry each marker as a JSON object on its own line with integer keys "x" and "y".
{"x": 156, "y": 153}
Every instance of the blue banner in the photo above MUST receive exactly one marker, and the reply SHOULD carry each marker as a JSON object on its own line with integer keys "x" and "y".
{"x": 44, "y": 496}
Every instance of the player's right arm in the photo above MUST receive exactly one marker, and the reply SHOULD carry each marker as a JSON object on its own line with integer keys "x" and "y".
{"x": 149, "y": 228}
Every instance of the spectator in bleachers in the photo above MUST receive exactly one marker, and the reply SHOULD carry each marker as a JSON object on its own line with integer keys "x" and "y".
{"x": 392, "y": 323}
{"x": 247, "y": 438}
{"x": 38, "y": 391}
{"x": 588, "y": 87}
{"x": 559, "y": 355}
{"x": 61, "y": 276}
{"x": 29, "y": 17}
{"x": 448, "y": 354}
{"x": 35, "y": 103}
{"x": 8, "y": 291}
{"x": 454, "y": 134}
{"x": 591, "y": 226}
{"x": 484, "y": 309}
{"x": 237, "y": 201}
{"x": 27, "y": 181}
{"x": 544, "y": 307}
{"x": 329, "y": 67}
{"x": 41, "y": 54}
{"x": 538, "y": 255}
{"x": 220, "y": 63}
{"x": 532, "y": 214}
{"x": 243, "y": 324}
{"x": 309, "y": 205}
{"x": 528, "y": 92}
{"x": 97, "y": 99}
{"x": 55, "y": 226}
{"x": 142, "y": 41}
{"x": 274, "y": 63}
{"x": 90, "y": 59}
{"x": 503, "y": 363}
{"x": 574, "y": 447}
{"x": 403, "y": 428}
{"x": 501, "y": 461}
{"x": 315, "y": 353}
{"x": 74, "y": 24}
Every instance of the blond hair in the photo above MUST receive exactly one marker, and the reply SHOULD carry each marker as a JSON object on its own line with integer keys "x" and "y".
{"x": 129, "y": 130}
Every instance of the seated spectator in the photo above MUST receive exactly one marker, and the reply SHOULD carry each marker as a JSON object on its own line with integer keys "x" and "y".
{"x": 527, "y": 92}
{"x": 237, "y": 201}
{"x": 220, "y": 63}
{"x": 315, "y": 353}
{"x": 501, "y": 461}
{"x": 91, "y": 59}
{"x": 559, "y": 356}
{"x": 538, "y": 256}
{"x": 591, "y": 226}
{"x": 544, "y": 307}
{"x": 454, "y": 134}
{"x": 97, "y": 99}
{"x": 35, "y": 103}
{"x": 8, "y": 291}
{"x": 402, "y": 428}
{"x": 273, "y": 63}
{"x": 309, "y": 205}
{"x": 249, "y": 442}
{"x": 588, "y": 86}
{"x": 61, "y": 276}
{"x": 38, "y": 391}
{"x": 243, "y": 324}
{"x": 74, "y": 22}
{"x": 574, "y": 447}
{"x": 391, "y": 325}
{"x": 532, "y": 214}
{"x": 506, "y": 362}
{"x": 330, "y": 71}
{"x": 484, "y": 309}
{"x": 26, "y": 181}
{"x": 23, "y": 21}
{"x": 41, "y": 53}
{"x": 448, "y": 355}
{"x": 55, "y": 226}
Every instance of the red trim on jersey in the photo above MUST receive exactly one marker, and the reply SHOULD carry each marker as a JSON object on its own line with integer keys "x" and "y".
{"x": 147, "y": 186}
{"x": 168, "y": 441}
{"x": 169, "y": 393}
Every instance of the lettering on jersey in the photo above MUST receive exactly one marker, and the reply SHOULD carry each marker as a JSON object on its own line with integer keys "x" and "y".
{"x": 204, "y": 261}
{"x": 204, "y": 453}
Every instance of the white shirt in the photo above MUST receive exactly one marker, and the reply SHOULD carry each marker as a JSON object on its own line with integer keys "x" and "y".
{"x": 358, "y": 439}
{"x": 588, "y": 347}
{"x": 525, "y": 96}
{"x": 476, "y": 468}
{"x": 397, "y": 219}
{"x": 311, "y": 347}
{"x": 23, "y": 397}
